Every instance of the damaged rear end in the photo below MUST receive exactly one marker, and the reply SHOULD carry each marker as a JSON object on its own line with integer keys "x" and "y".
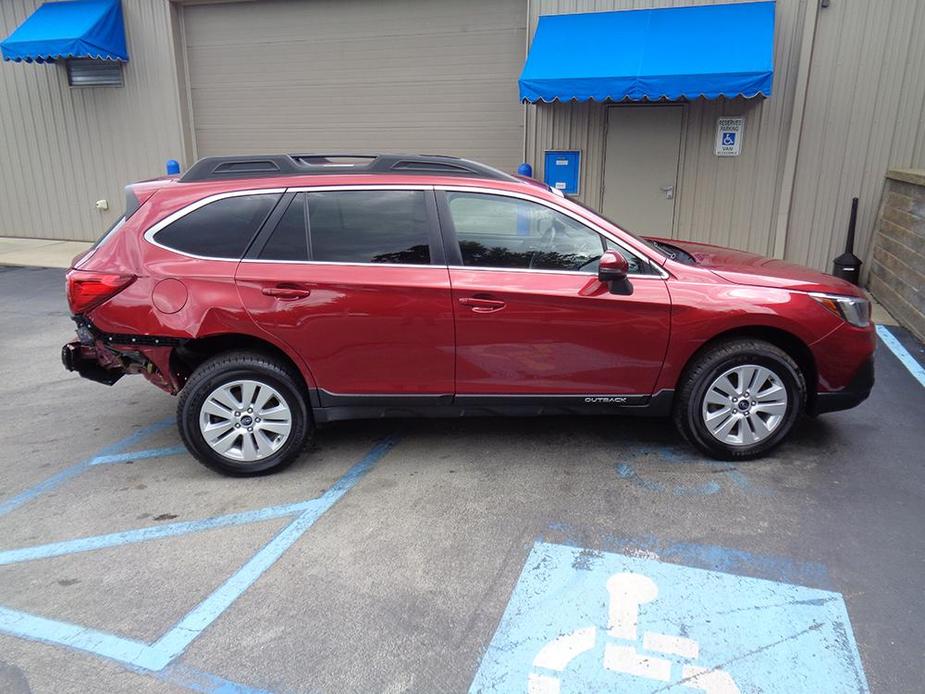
{"x": 96, "y": 277}
{"x": 105, "y": 358}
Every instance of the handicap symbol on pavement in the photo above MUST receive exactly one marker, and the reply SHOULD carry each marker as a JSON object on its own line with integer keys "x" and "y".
{"x": 729, "y": 139}
{"x": 582, "y": 621}
{"x": 627, "y": 592}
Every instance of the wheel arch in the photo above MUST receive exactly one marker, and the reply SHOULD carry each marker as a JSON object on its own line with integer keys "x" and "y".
{"x": 192, "y": 353}
{"x": 795, "y": 348}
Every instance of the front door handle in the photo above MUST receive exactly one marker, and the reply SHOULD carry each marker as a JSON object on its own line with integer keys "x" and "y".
{"x": 286, "y": 292}
{"x": 482, "y": 305}
{"x": 668, "y": 191}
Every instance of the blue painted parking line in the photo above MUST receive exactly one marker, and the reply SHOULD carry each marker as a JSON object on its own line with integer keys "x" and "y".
{"x": 127, "y": 537}
{"x": 138, "y": 455}
{"x": 628, "y": 472}
{"x": 200, "y": 681}
{"x": 703, "y": 556}
{"x": 580, "y": 620}
{"x": 901, "y": 353}
{"x": 158, "y": 656}
{"x": 725, "y": 475}
{"x": 59, "y": 633}
{"x": 175, "y": 641}
{"x": 57, "y": 480}
{"x": 56, "y": 632}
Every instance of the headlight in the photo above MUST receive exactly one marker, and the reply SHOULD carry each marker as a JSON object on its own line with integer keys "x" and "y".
{"x": 850, "y": 309}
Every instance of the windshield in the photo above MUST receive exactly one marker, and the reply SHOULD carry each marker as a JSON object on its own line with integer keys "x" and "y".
{"x": 651, "y": 245}
{"x": 663, "y": 248}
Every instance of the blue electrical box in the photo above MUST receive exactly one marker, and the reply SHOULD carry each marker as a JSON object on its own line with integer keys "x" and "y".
{"x": 561, "y": 170}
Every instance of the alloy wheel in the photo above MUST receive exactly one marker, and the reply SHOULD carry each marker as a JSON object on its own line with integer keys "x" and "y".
{"x": 744, "y": 405}
{"x": 245, "y": 420}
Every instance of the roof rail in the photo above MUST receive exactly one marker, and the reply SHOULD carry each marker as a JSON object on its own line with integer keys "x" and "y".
{"x": 267, "y": 165}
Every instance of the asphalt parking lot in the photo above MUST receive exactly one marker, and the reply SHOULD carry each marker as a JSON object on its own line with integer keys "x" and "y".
{"x": 432, "y": 556}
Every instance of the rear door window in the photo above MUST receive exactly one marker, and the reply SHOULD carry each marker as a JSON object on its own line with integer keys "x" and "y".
{"x": 369, "y": 226}
{"x": 221, "y": 229}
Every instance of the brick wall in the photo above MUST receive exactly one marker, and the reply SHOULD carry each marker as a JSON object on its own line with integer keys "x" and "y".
{"x": 897, "y": 271}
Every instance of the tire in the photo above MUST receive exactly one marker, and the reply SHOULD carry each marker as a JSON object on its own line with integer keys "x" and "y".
{"x": 261, "y": 444}
{"x": 713, "y": 386}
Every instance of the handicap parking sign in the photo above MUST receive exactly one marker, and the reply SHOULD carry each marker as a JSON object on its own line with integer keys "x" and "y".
{"x": 729, "y": 136}
{"x": 582, "y": 621}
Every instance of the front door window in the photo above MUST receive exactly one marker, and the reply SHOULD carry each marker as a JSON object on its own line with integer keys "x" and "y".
{"x": 495, "y": 231}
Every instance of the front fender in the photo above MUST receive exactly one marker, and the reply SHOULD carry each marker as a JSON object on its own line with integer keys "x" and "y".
{"x": 701, "y": 312}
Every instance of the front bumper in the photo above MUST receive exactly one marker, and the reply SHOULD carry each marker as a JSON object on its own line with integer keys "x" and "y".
{"x": 852, "y": 395}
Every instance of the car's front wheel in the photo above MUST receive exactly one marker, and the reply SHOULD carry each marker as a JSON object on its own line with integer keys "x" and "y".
{"x": 244, "y": 413}
{"x": 739, "y": 399}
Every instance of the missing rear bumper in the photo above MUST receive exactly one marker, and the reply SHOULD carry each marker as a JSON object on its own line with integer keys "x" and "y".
{"x": 105, "y": 358}
{"x": 84, "y": 360}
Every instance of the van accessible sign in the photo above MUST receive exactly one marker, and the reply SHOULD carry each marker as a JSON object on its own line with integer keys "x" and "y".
{"x": 729, "y": 136}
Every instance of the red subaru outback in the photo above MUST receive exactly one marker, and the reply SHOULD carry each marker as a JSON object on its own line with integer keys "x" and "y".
{"x": 278, "y": 293}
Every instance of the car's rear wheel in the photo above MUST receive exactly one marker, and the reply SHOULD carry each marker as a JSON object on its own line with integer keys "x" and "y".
{"x": 244, "y": 413}
{"x": 739, "y": 399}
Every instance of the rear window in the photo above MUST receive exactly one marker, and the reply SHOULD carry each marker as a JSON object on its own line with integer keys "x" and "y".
{"x": 109, "y": 233}
{"x": 369, "y": 226}
{"x": 221, "y": 229}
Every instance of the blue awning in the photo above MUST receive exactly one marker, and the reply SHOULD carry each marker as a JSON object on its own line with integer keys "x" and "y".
{"x": 670, "y": 53}
{"x": 75, "y": 29}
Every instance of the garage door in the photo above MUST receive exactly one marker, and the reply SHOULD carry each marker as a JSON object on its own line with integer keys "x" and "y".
{"x": 427, "y": 76}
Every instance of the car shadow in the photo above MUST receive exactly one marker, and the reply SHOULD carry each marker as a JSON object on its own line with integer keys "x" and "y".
{"x": 654, "y": 437}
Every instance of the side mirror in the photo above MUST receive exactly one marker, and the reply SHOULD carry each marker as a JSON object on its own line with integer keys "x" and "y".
{"x": 613, "y": 269}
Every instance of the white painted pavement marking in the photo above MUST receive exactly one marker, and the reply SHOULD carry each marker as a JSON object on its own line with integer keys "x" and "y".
{"x": 627, "y": 660}
{"x": 670, "y": 645}
{"x": 558, "y": 653}
{"x": 627, "y": 592}
{"x": 711, "y": 681}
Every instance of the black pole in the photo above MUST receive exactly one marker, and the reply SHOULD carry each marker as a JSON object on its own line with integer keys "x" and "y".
{"x": 852, "y": 225}
{"x": 848, "y": 265}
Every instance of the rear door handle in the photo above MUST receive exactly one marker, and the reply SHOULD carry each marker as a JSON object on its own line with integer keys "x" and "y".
{"x": 286, "y": 293}
{"x": 479, "y": 305}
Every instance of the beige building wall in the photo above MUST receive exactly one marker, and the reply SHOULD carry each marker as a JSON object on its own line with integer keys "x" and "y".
{"x": 357, "y": 76}
{"x": 863, "y": 113}
{"x": 64, "y": 148}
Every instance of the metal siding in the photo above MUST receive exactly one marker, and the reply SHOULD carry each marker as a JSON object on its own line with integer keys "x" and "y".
{"x": 864, "y": 113}
{"x": 64, "y": 148}
{"x": 728, "y": 201}
{"x": 349, "y": 75}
